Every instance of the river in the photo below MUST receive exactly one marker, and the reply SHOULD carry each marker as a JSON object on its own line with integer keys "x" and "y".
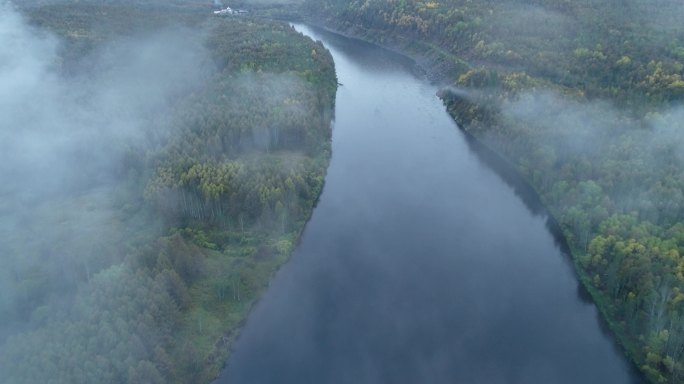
{"x": 419, "y": 264}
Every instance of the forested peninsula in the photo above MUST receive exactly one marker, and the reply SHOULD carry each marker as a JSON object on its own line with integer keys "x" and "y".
{"x": 161, "y": 166}
{"x": 584, "y": 99}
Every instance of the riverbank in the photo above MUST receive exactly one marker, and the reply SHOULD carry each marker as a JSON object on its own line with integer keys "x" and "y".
{"x": 436, "y": 64}
{"x": 478, "y": 102}
{"x": 411, "y": 243}
{"x": 199, "y": 163}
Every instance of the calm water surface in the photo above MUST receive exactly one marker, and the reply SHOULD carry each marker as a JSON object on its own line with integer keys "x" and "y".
{"x": 419, "y": 265}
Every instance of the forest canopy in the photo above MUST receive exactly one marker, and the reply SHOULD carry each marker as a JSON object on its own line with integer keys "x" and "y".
{"x": 159, "y": 165}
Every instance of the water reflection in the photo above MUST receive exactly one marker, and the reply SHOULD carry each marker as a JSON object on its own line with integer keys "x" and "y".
{"x": 420, "y": 263}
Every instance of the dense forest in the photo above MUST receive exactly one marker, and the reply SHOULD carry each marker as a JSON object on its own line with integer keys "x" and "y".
{"x": 585, "y": 100}
{"x": 165, "y": 190}
{"x": 159, "y": 165}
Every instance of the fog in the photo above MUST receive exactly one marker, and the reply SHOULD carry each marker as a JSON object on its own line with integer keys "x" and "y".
{"x": 584, "y": 126}
{"x": 638, "y": 156}
{"x": 57, "y": 128}
{"x": 66, "y": 133}
{"x": 523, "y": 21}
{"x": 90, "y": 289}
{"x": 63, "y": 138}
{"x": 636, "y": 153}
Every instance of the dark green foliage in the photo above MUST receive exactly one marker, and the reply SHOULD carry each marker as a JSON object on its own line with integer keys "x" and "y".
{"x": 199, "y": 216}
{"x": 110, "y": 333}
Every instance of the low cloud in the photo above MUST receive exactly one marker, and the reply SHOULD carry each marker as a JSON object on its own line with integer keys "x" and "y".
{"x": 637, "y": 161}
{"x": 63, "y": 138}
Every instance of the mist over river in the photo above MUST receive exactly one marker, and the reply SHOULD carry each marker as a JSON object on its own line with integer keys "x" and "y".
{"x": 419, "y": 264}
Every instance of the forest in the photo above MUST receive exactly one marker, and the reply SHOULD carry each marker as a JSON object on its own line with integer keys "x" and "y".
{"x": 585, "y": 100}
{"x": 144, "y": 226}
{"x": 160, "y": 164}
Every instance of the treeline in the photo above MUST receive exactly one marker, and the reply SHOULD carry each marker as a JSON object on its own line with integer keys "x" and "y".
{"x": 584, "y": 99}
{"x": 614, "y": 182}
{"x": 200, "y": 214}
{"x": 628, "y": 51}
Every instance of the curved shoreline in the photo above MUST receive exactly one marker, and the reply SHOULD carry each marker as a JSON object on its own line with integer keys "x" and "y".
{"x": 502, "y": 166}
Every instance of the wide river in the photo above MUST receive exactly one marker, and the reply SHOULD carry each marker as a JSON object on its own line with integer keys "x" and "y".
{"x": 420, "y": 264}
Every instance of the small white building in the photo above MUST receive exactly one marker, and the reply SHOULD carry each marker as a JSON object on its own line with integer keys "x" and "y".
{"x": 229, "y": 11}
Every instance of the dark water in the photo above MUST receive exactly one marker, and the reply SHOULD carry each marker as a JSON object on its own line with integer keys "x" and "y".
{"x": 419, "y": 265}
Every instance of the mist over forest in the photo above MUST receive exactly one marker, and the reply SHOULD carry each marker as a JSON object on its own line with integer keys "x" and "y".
{"x": 64, "y": 139}
{"x": 159, "y": 163}
{"x": 156, "y": 171}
